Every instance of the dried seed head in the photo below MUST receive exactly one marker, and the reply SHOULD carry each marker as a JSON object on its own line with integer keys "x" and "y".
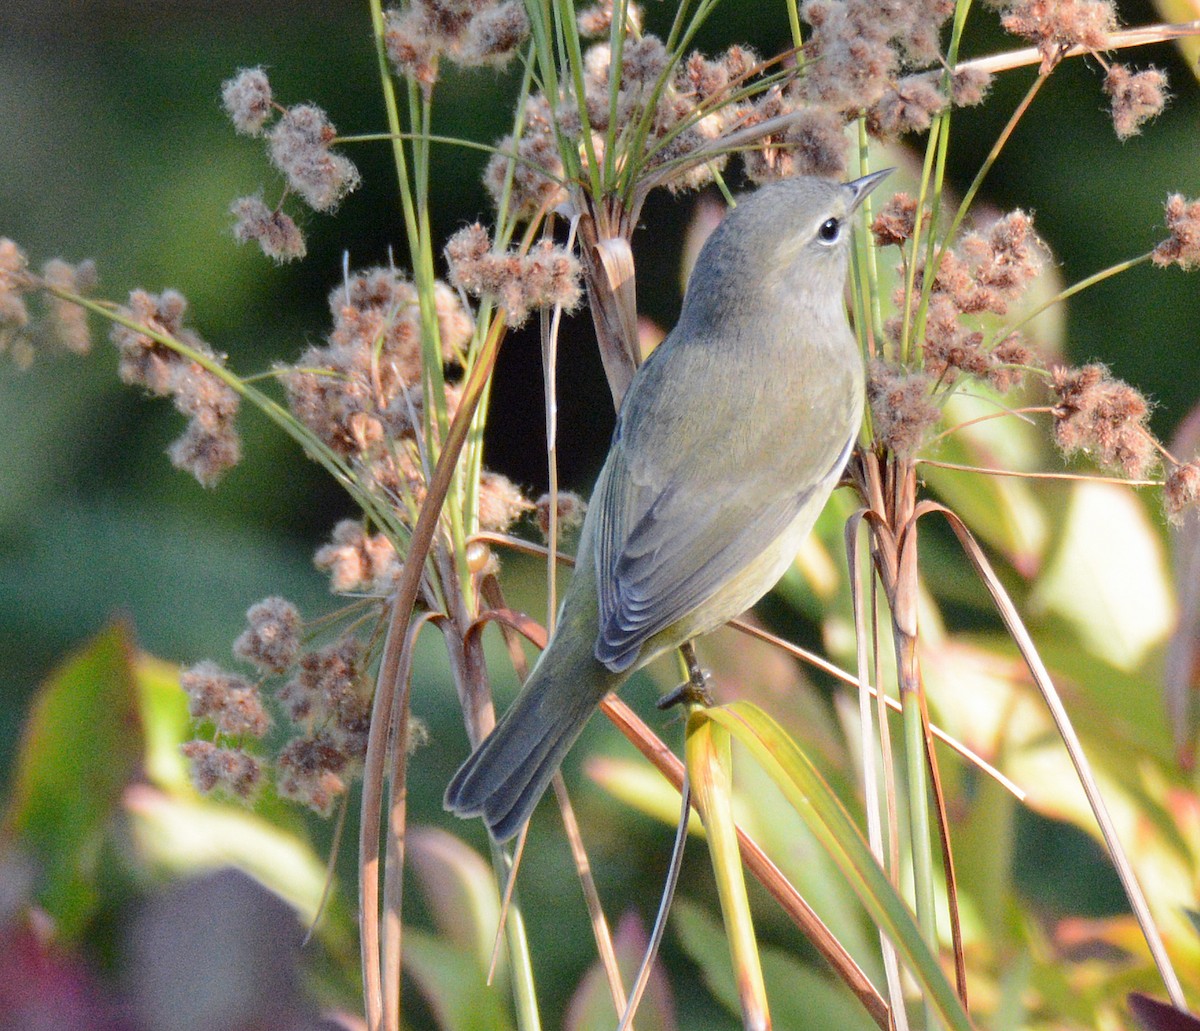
{"x": 230, "y": 702}
{"x": 271, "y": 641}
{"x": 546, "y": 276}
{"x": 1054, "y": 26}
{"x": 1182, "y": 490}
{"x": 67, "y": 323}
{"x": 571, "y": 509}
{"x": 247, "y": 99}
{"x": 1182, "y": 247}
{"x": 908, "y": 106}
{"x": 356, "y": 561}
{"x": 299, "y": 146}
{"x": 501, "y": 502}
{"x": 276, "y": 233}
{"x": 229, "y": 770}
{"x": 902, "y": 411}
{"x": 1005, "y": 360}
{"x": 896, "y": 221}
{"x": 1102, "y": 417}
{"x": 307, "y": 771}
{"x": 1137, "y": 97}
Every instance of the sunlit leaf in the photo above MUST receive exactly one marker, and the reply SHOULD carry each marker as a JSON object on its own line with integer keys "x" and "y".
{"x": 641, "y": 787}
{"x": 808, "y": 793}
{"x": 710, "y": 771}
{"x": 189, "y": 835}
{"x": 1107, "y": 577}
{"x": 81, "y": 746}
{"x": 1007, "y": 512}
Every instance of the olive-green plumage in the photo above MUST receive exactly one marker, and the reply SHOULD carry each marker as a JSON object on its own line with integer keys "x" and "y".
{"x": 728, "y": 443}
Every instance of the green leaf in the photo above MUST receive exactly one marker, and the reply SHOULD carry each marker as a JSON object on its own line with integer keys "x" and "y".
{"x": 459, "y": 889}
{"x": 710, "y": 770}
{"x": 825, "y": 815}
{"x": 81, "y": 746}
{"x": 1117, "y": 598}
{"x": 592, "y": 1008}
{"x": 453, "y": 985}
{"x": 804, "y": 999}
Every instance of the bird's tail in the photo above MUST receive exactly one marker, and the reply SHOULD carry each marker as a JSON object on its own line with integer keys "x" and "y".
{"x": 505, "y": 777}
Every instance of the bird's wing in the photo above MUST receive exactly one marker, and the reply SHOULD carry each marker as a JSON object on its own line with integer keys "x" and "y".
{"x": 678, "y": 523}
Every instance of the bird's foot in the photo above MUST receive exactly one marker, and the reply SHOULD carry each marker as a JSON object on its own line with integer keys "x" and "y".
{"x": 694, "y": 690}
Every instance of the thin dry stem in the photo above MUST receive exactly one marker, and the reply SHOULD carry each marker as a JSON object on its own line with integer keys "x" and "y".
{"x": 1025, "y": 474}
{"x": 757, "y": 862}
{"x": 387, "y": 686}
{"x": 1041, "y": 676}
{"x": 1143, "y": 35}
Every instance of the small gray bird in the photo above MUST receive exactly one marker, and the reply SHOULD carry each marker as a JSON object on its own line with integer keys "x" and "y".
{"x": 729, "y": 441}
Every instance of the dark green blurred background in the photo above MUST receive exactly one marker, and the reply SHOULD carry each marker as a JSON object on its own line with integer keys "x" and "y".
{"x": 114, "y": 147}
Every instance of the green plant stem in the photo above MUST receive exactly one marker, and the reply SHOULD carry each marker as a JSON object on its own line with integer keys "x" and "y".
{"x": 793, "y": 14}
{"x": 918, "y": 811}
{"x": 990, "y": 160}
{"x": 1075, "y": 288}
{"x": 569, "y": 37}
{"x": 313, "y": 446}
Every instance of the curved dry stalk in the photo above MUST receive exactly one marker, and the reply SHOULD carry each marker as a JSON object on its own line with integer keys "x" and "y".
{"x": 510, "y": 886}
{"x": 393, "y": 870}
{"x": 583, "y": 867}
{"x": 760, "y": 865}
{"x": 386, "y": 685}
{"x": 823, "y": 664}
{"x": 887, "y": 949}
{"x": 664, "y": 906}
{"x": 510, "y": 621}
{"x": 1041, "y": 677}
{"x": 335, "y": 849}
{"x": 909, "y": 547}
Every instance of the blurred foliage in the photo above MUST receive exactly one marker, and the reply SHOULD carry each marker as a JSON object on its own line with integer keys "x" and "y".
{"x": 115, "y": 147}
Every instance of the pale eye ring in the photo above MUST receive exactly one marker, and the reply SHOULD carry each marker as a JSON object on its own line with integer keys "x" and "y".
{"x": 830, "y": 230}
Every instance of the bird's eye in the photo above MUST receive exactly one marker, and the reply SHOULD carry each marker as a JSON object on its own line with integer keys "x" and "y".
{"x": 829, "y": 231}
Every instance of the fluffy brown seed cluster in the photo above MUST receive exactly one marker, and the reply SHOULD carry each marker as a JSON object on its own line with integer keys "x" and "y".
{"x": 210, "y": 445}
{"x": 274, "y": 231}
{"x": 60, "y": 323}
{"x": 570, "y": 510}
{"x": 348, "y": 391}
{"x": 356, "y": 560}
{"x": 1182, "y": 247}
{"x": 326, "y": 700}
{"x": 985, "y": 274}
{"x": 1137, "y": 97}
{"x": 546, "y": 276}
{"x": 330, "y": 700}
{"x": 465, "y": 32}
{"x": 299, "y": 145}
{"x": 883, "y": 59}
{"x": 679, "y": 110}
{"x": 902, "y": 407}
{"x": 1182, "y": 490}
{"x": 1102, "y": 417}
{"x": 1055, "y": 26}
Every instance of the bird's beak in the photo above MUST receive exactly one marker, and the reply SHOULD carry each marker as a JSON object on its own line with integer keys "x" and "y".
{"x": 859, "y": 188}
